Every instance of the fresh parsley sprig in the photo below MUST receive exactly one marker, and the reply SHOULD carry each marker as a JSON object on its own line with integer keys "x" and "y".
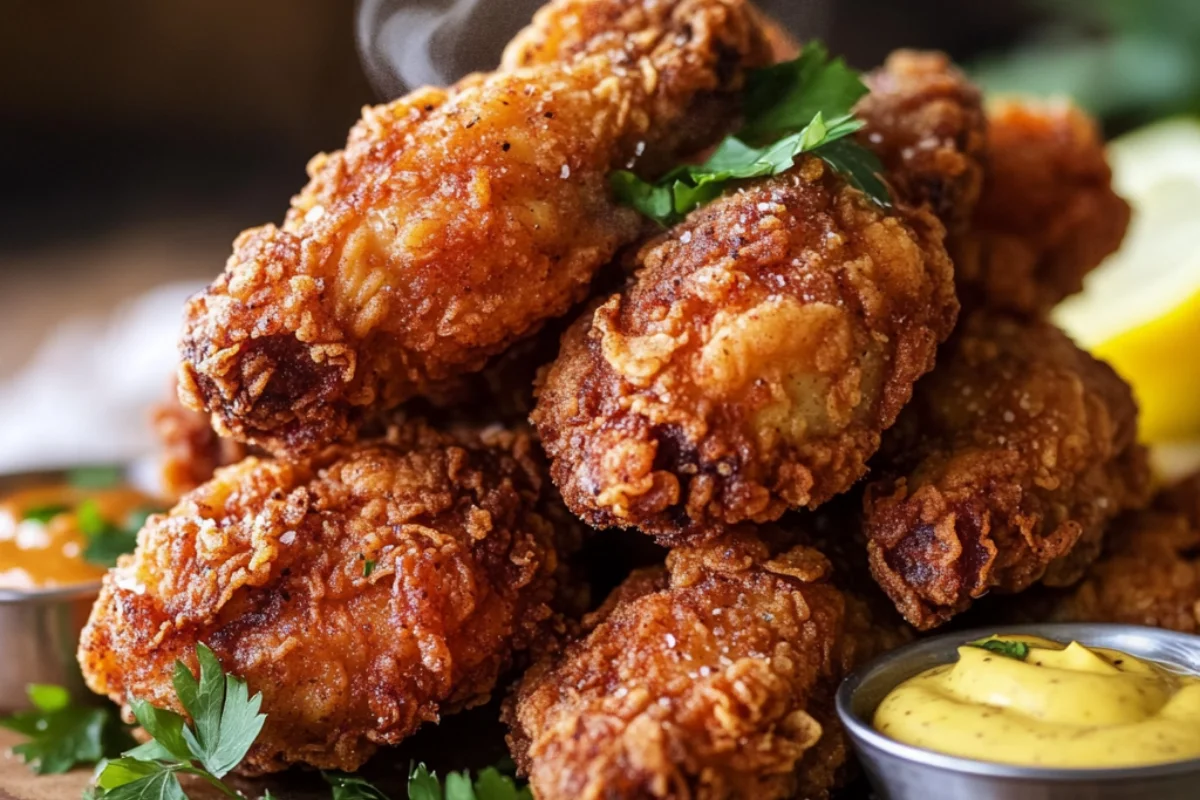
{"x": 1015, "y": 650}
{"x": 61, "y": 735}
{"x": 225, "y": 721}
{"x": 491, "y": 784}
{"x": 800, "y": 106}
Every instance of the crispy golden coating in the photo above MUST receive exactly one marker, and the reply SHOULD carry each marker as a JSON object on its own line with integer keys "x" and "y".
{"x": 752, "y": 361}
{"x": 454, "y": 223}
{"x": 1004, "y": 470}
{"x": 1048, "y": 213}
{"x": 713, "y": 678}
{"x": 1149, "y": 575}
{"x": 1183, "y": 498}
{"x": 267, "y": 564}
{"x": 191, "y": 450}
{"x": 926, "y": 122}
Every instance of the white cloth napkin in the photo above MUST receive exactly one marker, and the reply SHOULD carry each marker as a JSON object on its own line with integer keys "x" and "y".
{"x": 85, "y": 395}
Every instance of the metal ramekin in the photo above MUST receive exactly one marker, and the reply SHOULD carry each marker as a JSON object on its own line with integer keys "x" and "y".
{"x": 39, "y": 628}
{"x": 39, "y": 634}
{"x": 903, "y": 772}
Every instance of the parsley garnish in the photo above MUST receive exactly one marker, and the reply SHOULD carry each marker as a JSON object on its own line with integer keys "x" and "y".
{"x": 490, "y": 785}
{"x": 106, "y": 542}
{"x": 368, "y": 568}
{"x": 351, "y": 787}
{"x": 96, "y": 477}
{"x": 1017, "y": 650}
{"x": 44, "y": 514}
{"x": 63, "y": 736}
{"x": 225, "y": 723}
{"x": 800, "y": 106}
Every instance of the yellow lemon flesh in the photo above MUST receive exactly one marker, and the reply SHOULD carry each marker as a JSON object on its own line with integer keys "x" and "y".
{"x": 1140, "y": 309}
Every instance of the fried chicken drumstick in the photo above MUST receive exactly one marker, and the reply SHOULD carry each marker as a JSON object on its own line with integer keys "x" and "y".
{"x": 1013, "y": 456}
{"x": 364, "y": 593}
{"x": 1048, "y": 213}
{"x": 712, "y": 678}
{"x": 456, "y": 222}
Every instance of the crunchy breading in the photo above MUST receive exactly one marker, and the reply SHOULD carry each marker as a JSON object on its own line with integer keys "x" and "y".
{"x": 926, "y": 122}
{"x": 364, "y": 593}
{"x": 1005, "y": 469}
{"x": 454, "y": 223}
{"x": 712, "y": 678}
{"x": 752, "y": 361}
{"x": 1048, "y": 213}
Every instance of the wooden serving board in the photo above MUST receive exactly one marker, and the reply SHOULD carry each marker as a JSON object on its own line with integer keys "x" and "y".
{"x": 470, "y": 740}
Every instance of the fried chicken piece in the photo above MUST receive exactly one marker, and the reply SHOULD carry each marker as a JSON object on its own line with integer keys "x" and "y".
{"x": 454, "y": 223}
{"x": 1048, "y": 214}
{"x": 1004, "y": 470}
{"x": 926, "y": 122}
{"x": 1148, "y": 575}
{"x": 1183, "y": 498}
{"x": 364, "y": 593}
{"x": 752, "y": 361}
{"x": 712, "y": 678}
{"x": 191, "y": 450}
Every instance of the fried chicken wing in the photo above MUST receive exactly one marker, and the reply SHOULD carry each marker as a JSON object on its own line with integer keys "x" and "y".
{"x": 1048, "y": 213}
{"x": 751, "y": 363}
{"x": 1005, "y": 469}
{"x": 712, "y": 678}
{"x": 454, "y": 223}
{"x": 364, "y": 593}
{"x": 926, "y": 122}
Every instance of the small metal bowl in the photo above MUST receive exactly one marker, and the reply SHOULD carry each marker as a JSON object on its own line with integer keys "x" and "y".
{"x": 903, "y": 772}
{"x": 39, "y": 634}
{"x": 39, "y": 628}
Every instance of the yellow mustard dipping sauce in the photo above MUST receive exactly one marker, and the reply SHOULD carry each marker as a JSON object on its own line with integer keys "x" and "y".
{"x": 46, "y": 550}
{"x": 1062, "y": 706}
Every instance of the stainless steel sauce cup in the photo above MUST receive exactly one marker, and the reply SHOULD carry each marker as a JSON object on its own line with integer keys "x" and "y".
{"x": 903, "y": 772}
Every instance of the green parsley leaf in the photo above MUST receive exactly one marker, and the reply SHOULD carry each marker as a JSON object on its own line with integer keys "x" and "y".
{"x": 124, "y": 771}
{"x": 167, "y": 729}
{"x": 44, "y": 514}
{"x": 351, "y": 787}
{"x": 491, "y": 784}
{"x": 162, "y": 784}
{"x": 96, "y": 477}
{"x": 225, "y": 719}
{"x": 801, "y": 106}
{"x": 368, "y": 568}
{"x": 225, "y": 723}
{"x": 62, "y": 736}
{"x": 1017, "y": 650}
{"x": 423, "y": 784}
{"x": 786, "y": 97}
{"x": 106, "y": 541}
{"x": 458, "y": 787}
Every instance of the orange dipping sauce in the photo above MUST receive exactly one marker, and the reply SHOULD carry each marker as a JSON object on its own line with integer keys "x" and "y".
{"x": 44, "y": 533}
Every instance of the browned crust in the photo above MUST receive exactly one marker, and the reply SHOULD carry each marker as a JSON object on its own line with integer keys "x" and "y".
{"x": 266, "y": 565}
{"x": 1048, "y": 214}
{"x": 926, "y": 122}
{"x": 453, "y": 224}
{"x": 710, "y": 679}
{"x": 1004, "y": 471}
{"x": 751, "y": 363}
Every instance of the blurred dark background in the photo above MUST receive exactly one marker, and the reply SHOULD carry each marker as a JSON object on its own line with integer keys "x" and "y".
{"x": 137, "y": 137}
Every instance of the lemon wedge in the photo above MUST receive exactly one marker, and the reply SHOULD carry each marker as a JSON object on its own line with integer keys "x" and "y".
{"x": 1140, "y": 309}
